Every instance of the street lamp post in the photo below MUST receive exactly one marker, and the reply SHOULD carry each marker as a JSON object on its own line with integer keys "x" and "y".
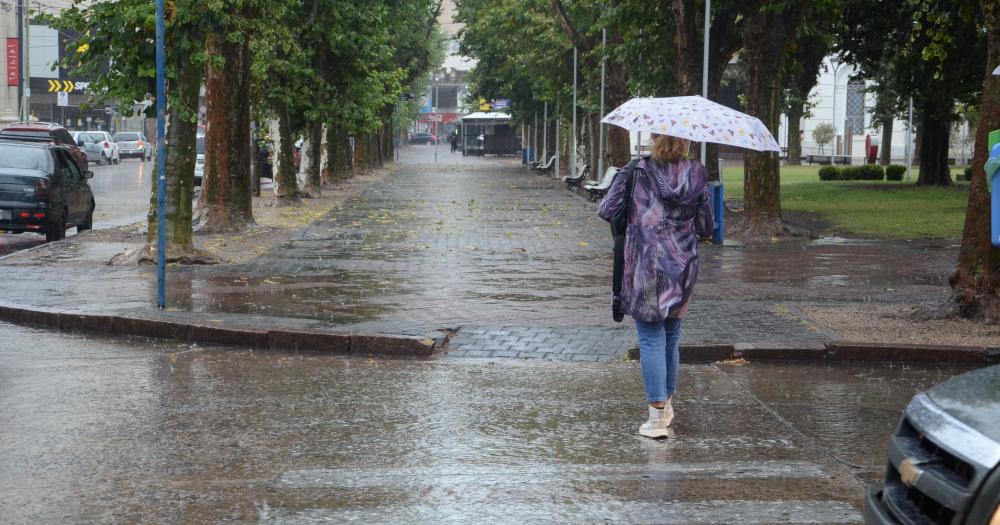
{"x": 600, "y": 148}
{"x": 704, "y": 70}
{"x": 161, "y": 160}
{"x": 833, "y": 147}
{"x": 572, "y": 153}
{"x": 545, "y": 131}
{"x": 434, "y": 111}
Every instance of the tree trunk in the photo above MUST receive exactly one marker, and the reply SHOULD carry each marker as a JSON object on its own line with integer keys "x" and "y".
{"x": 311, "y": 159}
{"x": 286, "y": 189}
{"x": 256, "y": 164}
{"x": 226, "y": 203}
{"x": 794, "y": 127}
{"x": 885, "y": 154}
{"x": 975, "y": 282}
{"x": 338, "y": 148}
{"x": 360, "y": 151}
{"x": 934, "y": 169}
{"x": 181, "y": 146}
{"x": 618, "y": 140}
{"x": 766, "y": 35}
{"x": 689, "y": 17}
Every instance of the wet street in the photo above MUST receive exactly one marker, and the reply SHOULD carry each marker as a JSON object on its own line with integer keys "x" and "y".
{"x": 121, "y": 193}
{"x": 98, "y": 430}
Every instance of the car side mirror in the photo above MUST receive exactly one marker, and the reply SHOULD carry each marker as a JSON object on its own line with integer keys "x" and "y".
{"x": 88, "y": 174}
{"x": 79, "y": 143}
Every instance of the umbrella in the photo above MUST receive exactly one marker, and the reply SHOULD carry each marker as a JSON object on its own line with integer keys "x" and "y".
{"x": 996, "y": 71}
{"x": 693, "y": 118}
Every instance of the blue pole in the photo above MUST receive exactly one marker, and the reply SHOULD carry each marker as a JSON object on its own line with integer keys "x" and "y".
{"x": 161, "y": 163}
{"x": 719, "y": 211}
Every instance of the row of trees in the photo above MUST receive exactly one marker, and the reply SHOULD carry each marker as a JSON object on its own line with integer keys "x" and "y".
{"x": 330, "y": 71}
{"x": 939, "y": 52}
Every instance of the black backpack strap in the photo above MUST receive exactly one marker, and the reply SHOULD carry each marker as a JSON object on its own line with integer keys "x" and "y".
{"x": 619, "y": 225}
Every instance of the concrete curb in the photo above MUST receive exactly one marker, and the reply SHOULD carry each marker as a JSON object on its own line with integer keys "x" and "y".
{"x": 209, "y": 334}
{"x": 284, "y": 338}
{"x": 840, "y": 352}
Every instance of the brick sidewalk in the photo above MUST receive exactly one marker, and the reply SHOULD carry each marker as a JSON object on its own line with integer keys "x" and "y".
{"x": 520, "y": 265}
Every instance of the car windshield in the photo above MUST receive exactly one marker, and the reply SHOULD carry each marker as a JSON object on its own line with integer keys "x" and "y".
{"x": 126, "y": 136}
{"x": 90, "y": 137}
{"x": 24, "y": 157}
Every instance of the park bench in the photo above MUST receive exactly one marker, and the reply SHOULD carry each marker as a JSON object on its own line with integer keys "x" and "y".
{"x": 578, "y": 179}
{"x": 544, "y": 168}
{"x": 825, "y": 159}
{"x": 599, "y": 188}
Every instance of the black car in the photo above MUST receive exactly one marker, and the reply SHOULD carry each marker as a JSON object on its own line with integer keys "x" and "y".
{"x": 422, "y": 137}
{"x": 944, "y": 460}
{"x": 42, "y": 190}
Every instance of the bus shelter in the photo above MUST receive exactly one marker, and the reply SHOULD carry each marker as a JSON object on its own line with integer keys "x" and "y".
{"x": 489, "y": 133}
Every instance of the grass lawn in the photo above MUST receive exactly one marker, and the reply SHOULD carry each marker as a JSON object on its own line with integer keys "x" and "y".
{"x": 883, "y": 210}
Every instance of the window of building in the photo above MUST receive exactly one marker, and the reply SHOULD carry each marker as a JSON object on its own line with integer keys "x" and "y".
{"x": 854, "y": 119}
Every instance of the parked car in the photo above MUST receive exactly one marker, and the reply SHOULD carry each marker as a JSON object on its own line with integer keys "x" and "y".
{"x": 45, "y": 132}
{"x": 43, "y": 190}
{"x": 944, "y": 460}
{"x": 132, "y": 144}
{"x": 422, "y": 137}
{"x": 98, "y": 146}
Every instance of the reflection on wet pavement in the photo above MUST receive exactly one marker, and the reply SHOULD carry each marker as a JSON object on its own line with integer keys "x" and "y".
{"x": 106, "y": 430}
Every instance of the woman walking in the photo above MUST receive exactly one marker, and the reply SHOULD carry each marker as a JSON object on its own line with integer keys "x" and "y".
{"x": 668, "y": 211}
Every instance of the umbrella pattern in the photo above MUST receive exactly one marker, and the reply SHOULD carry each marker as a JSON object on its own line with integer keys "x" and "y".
{"x": 693, "y": 118}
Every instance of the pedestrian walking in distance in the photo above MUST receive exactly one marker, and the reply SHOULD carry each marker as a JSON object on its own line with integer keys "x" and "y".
{"x": 454, "y": 141}
{"x": 668, "y": 210}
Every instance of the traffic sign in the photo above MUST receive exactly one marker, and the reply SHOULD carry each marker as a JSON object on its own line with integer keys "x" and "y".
{"x": 407, "y": 97}
{"x": 501, "y": 103}
{"x": 61, "y": 86}
{"x": 62, "y": 99}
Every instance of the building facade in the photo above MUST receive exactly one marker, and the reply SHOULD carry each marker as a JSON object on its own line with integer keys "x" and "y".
{"x": 448, "y": 89}
{"x": 853, "y": 119}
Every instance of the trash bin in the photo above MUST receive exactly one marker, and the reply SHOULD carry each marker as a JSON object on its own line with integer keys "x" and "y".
{"x": 718, "y": 211}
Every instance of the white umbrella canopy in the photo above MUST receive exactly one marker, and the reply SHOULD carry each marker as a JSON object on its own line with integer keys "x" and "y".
{"x": 693, "y": 118}
{"x": 996, "y": 71}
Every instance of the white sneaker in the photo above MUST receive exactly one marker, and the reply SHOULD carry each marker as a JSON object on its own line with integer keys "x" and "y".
{"x": 656, "y": 426}
{"x": 668, "y": 413}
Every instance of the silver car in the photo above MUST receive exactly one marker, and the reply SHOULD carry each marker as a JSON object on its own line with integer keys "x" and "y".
{"x": 133, "y": 144}
{"x": 98, "y": 146}
{"x": 199, "y": 163}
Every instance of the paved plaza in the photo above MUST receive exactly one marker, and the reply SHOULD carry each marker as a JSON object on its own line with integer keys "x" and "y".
{"x": 510, "y": 262}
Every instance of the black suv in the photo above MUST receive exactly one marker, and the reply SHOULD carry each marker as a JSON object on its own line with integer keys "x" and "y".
{"x": 944, "y": 461}
{"x": 43, "y": 190}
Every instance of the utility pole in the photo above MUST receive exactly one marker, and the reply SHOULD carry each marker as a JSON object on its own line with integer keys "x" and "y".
{"x": 25, "y": 61}
{"x": 600, "y": 125}
{"x": 558, "y": 145}
{"x": 704, "y": 69}
{"x": 572, "y": 153}
{"x": 909, "y": 142}
{"x": 436, "y": 117}
{"x": 161, "y": 159}
{"x": 545, "y": 132}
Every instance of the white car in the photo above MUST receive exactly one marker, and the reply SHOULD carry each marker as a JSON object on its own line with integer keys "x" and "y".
{"x": 98, "y": 146}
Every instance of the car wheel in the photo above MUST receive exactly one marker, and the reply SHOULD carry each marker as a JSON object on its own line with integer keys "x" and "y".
{"x": 88, "y": 223}
{"x": 103, "y": 160}
{"x": 57, "y": 228}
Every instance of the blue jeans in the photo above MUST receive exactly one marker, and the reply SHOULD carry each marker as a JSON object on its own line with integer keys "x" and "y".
{"x": 659, "y": 357}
